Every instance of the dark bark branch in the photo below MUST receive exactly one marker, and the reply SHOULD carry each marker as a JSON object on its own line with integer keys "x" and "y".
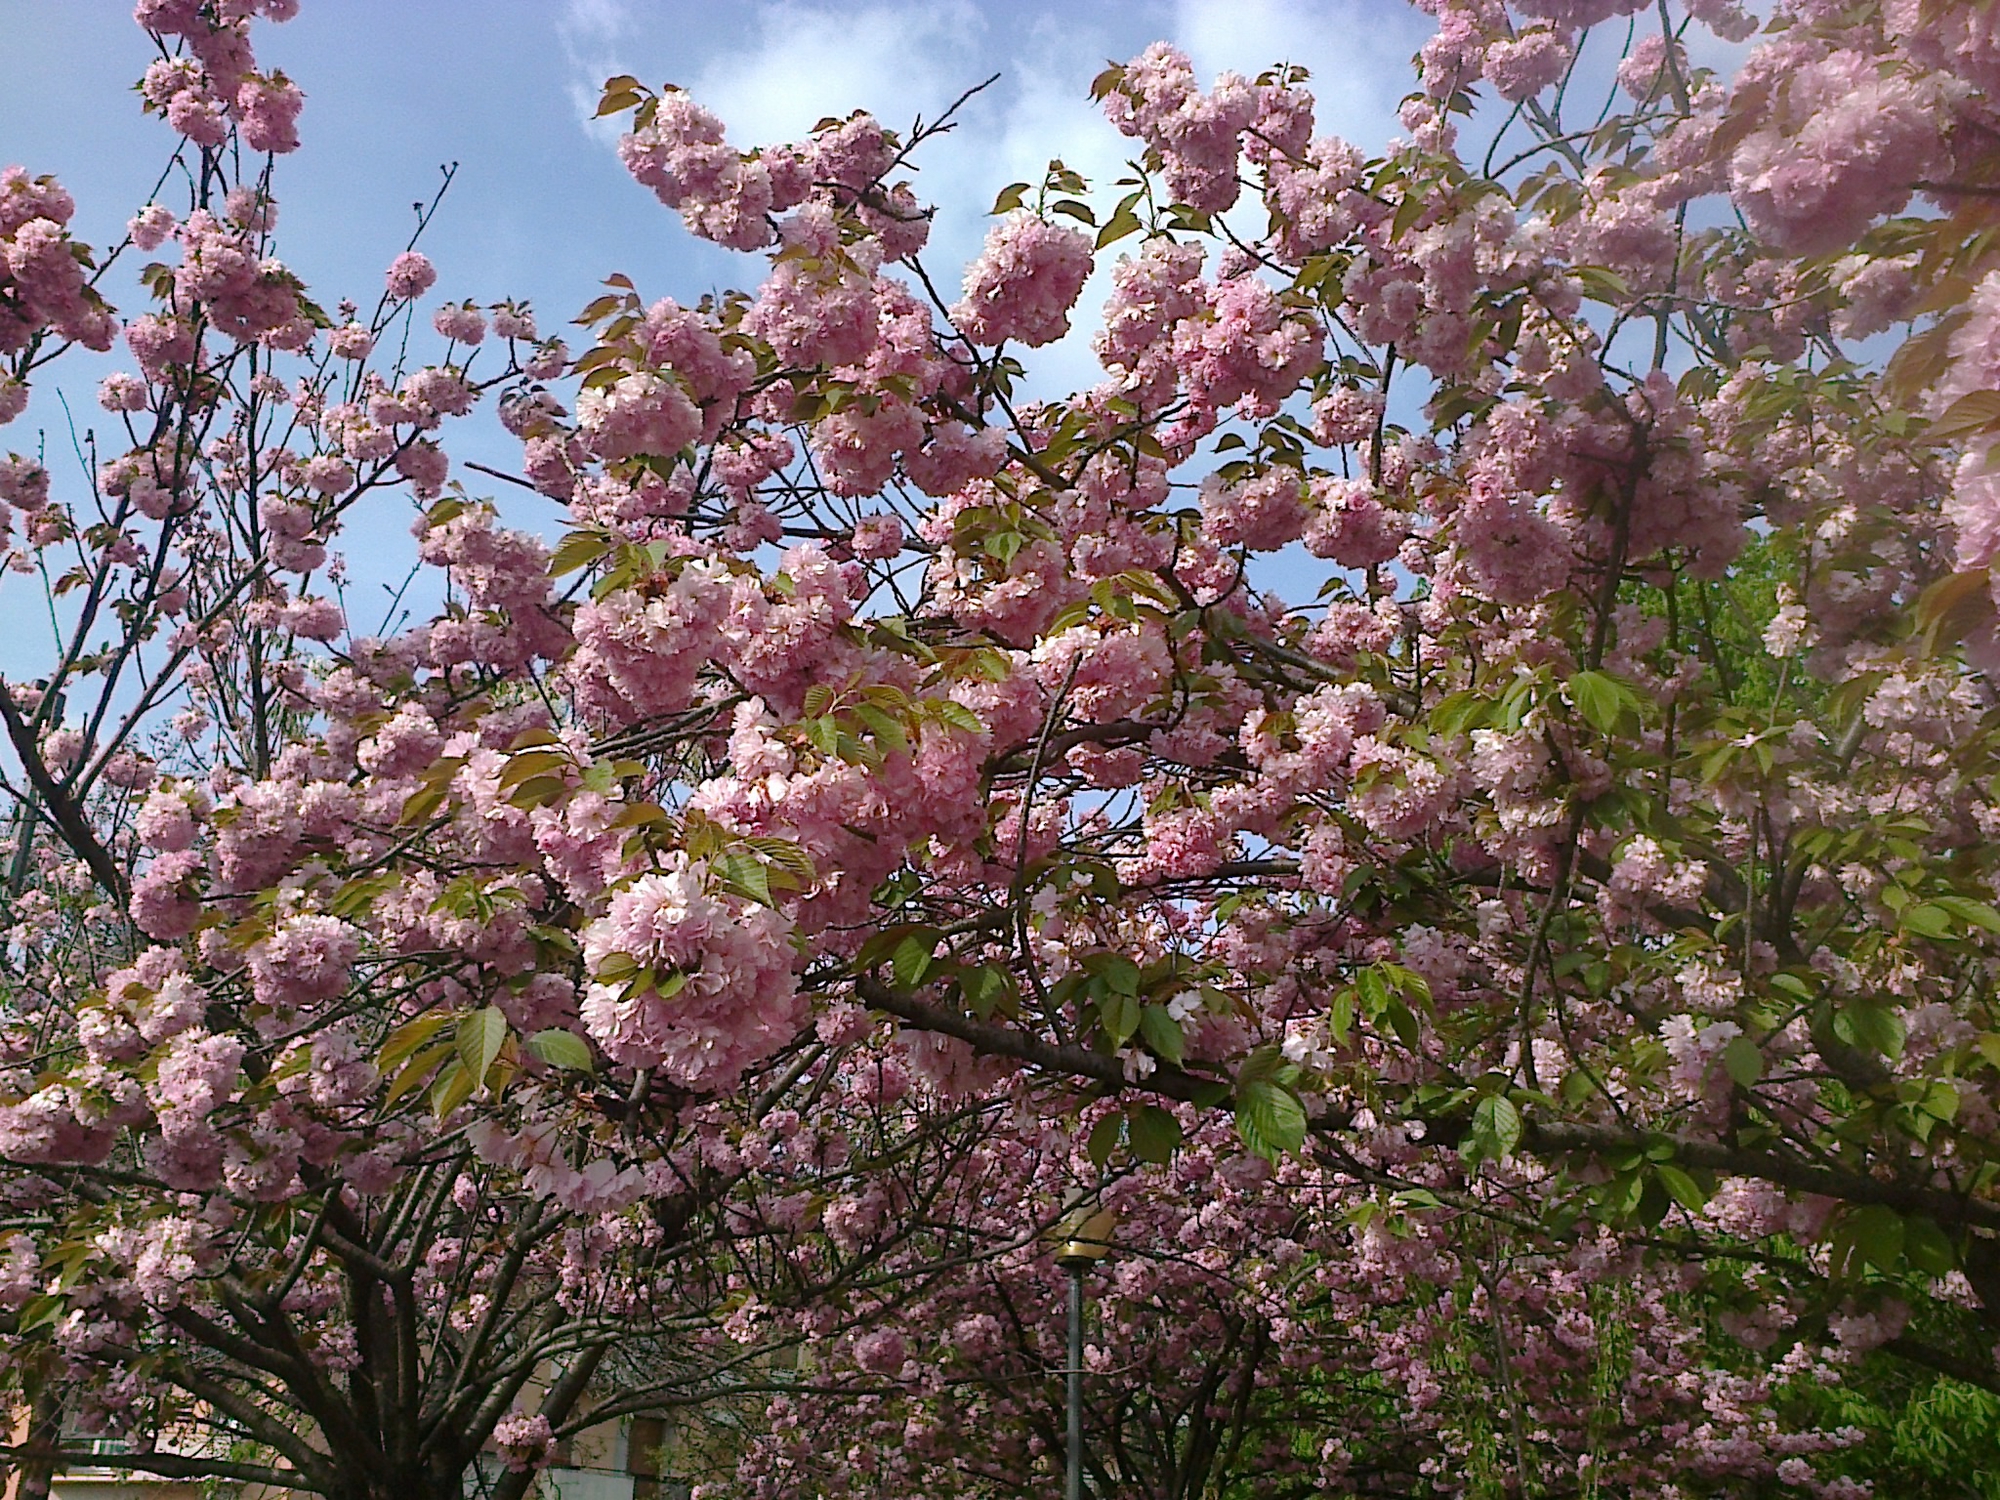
{"x": 60, "y": 807}
{"x": 1060, "y": 1058}
{"x": 1559, "y": 1138}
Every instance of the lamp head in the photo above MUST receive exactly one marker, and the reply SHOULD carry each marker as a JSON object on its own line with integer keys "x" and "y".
{"x": 1087, "y": 1238}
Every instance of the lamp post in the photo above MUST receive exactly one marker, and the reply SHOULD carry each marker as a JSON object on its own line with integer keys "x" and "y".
{"x": 1089, "y": 1242}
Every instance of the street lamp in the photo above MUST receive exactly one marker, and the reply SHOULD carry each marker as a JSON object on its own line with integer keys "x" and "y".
{"x": 1089, "y": 1240}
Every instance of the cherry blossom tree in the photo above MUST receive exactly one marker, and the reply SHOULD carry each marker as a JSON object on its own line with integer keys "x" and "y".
{"x": 870, "y": 807}
{"x": 1263, "y": 1330}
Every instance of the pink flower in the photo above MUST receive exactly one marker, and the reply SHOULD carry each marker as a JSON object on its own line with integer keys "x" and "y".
{"x": 410, "y": 275}
{"x": 642, "y": 413}
{"x": 150, "y": 227}
{"x": 1262, "y": 514}
{"x": 877, "y": 537}
{"x": 306, "y": 960}
{"x": 1198, "y": 135}
{"x": 1842, "y": 144}
{"x": 1024, "y": 283}
{"x": 722, "y": 994}
{"x": 267, "y": 111}
{"x": 882, "y": 1352}
{"x": 350, "y": 341}
{"x": 1522, "y": 66}
{"x": 122, "y": 392}
{"x": 1514, "y": 552}
{"x": 165, "y": 821}
{"x": 525, "y": 1443}
{"x": 165, "y": 904}
{"x": 461, "y": 322}
{"x": 1351, "y": 526}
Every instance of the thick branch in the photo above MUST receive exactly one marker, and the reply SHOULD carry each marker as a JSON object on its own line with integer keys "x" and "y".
{"x": 1051, "y": 1057}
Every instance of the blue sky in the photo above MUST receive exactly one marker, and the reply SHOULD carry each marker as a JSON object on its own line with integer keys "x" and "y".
{"x": 542, "y": 209}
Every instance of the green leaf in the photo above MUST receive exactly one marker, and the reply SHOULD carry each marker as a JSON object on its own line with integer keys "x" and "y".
{"x": 1939, "y": 1100}
{"x": 1682, "y": 1188}
{"x": 1154, "y": 1132}
{"x": 1972, "y": 913}
{"x": 1928, "y": 1247}
{"x": 987, "y": 989}
{"x": 1743, "y": 1061}
{"x": 1374, "y": 992}
{"x": 1120, "y": 1016}
{"x": 1599, "y": 697}
{"x": 1872, "y": 1027}
{"x": 1010, "y": 197}
{"x": 1120, "y": 224}
{"x": 408, "y": 1037}
{"x": 1496, "y": 1129}
{"x": 1403, "y": 1022}
{"x": 1970, "y": 415}
{"x": 744, "y": 873}
{"x": 422, "y": 803}
{"x": 479, "y": 1039}
{"x": 1928, "y": 920}
{"x": 957, "y": 716}
{"x": 1162, "y": 1033}
{"x": 561, "y": 1049}
{"x": 452, "y": 1088}
{"x": 914, "y": 957}
{"x": 1260, "y": 1065}
{"x": 1792, "y": 985}
{"x": 1104, "y": 1139}
{"x": 1121, "y": 974}
{"x": 39, "y": 1313}
{"x": 1601, "y": 284}
{"x": 1877, "y": 1230}
{"x": 415, "y": 1071}
{"x": 577, "y": 550}
{"x": 1340, "y": 1018}
{"x": 1269, "y": 1118}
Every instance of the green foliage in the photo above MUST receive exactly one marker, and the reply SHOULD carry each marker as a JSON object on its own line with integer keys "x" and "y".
{"x": 1927, "y": 1437}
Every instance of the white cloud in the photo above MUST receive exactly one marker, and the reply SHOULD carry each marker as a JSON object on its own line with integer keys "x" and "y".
{"x": 591, "y": 33}
{"x": 598, "y": 18}
{"x": 1358, "y": 52}
{"x": 808, "y": 61}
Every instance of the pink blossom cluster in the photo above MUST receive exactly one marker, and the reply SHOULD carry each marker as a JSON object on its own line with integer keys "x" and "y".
{"x": 1198, "y": 136}
{"x": 242, "y": 293}
{"x": 1024, "y": 283}
{"x": 43, "y": 285}
{"x": 1842, "y": 144}
{"x": 723, "y": 195}
{"x": 214, "y": 84}
{"x": 711, "y": 988}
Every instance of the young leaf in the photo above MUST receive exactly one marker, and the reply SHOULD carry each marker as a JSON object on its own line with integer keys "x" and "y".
{"x": 561, "y": 1049}
{"x": 914, "y": 957}
{"x": 1269, "y": 1118}
{"x": 1743, "y": 1061}
{"x": 1104, "y": 1139}
{"x": 1162, "y": 1033}
{"x": 1599, "y": 698}
{"x": 479, "y": 1039}
{"x": 1496, "y": 1129}
{"x": 1154, "y": 1132}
